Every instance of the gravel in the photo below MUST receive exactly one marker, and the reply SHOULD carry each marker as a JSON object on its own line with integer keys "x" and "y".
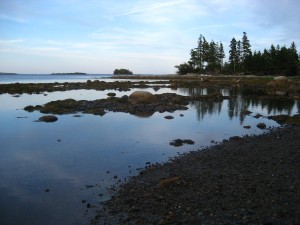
{"x": 250, "y": 180}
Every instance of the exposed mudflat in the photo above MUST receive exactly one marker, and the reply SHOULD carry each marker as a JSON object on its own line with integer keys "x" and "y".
{"x": 250, "y": 180}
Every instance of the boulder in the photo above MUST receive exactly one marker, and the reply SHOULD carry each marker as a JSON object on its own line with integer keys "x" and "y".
{"x": 271, "y": 84}
{"x": 48, "y": 119}
{"x": 143, "y": 97}
{"x": 281, "y": 80}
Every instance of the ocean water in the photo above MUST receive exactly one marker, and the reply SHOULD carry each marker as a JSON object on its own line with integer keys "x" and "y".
{"x": 49, "y": 78}
{"x": 59, "y": 173}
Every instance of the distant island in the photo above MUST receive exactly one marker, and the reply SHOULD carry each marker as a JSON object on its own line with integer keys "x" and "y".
{"x": 75, "y": 73}
{"x": 2, "y": 73}
{"x": 122, "y": 72}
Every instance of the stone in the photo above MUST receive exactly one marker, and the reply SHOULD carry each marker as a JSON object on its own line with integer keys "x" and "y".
{"x": 261, "y": 126}
{"x": 169, "y": 117}
{"x": 271, "y": 84}
{"x": 143, "y": 97}
{"x": 247, "y": 127}
{"x": 281, "y": 80}
{"x": 180, "y": 142}
{"x": 111, "y": 94}
{"x": 168, "y": 182}
{"x": 48, "y": 118}
{"x": 257, "y": 116}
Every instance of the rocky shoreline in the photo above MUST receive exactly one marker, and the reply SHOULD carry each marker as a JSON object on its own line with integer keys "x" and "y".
{"x": 249, "y": 180}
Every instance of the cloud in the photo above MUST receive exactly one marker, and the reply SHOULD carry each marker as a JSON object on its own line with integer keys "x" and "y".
{"x": 148, "y": 7}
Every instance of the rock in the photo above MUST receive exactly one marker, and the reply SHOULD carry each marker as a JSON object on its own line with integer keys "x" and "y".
{"x": 168, "y": 182}
{"x": 235, "y": 138}
{"x": 281, "y": 80}
{"x": 176, "y": 142}
{"x": 180, "y": 142}
{"x": 169, "y": 117}
{"x": 156, "y": 88}
{"x": 257, "y": 116}
{"x": 144, "y": 97}
{"x": 247, "y": 127}
{"x": 271, "y": 84}
{"x": 48, "y": 118}
{"x": 285, "y": 119}
{"x": 111, "y": 94}
{"x": 261, "y": 126}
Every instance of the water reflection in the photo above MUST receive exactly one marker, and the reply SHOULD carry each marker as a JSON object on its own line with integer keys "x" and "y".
{"x": 32, "y": 160}
{"x": 235, "y": 106}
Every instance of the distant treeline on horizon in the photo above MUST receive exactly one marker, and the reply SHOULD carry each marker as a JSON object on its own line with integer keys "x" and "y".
{"x": 3, "y": 73}
{"x": 75, "y": 73}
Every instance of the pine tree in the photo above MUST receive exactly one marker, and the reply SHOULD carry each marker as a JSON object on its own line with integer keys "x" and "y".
{"x": 233, "y": 54}
{"x": 240, "y": 59}
{"x": 212, "y": 56}
{"x": 194, "y": 59}
{"x": 199, "y": 65}
{"x": 221, "y": 54}
{"x": 205, "y": 52}
{"x": 246, "y": 47}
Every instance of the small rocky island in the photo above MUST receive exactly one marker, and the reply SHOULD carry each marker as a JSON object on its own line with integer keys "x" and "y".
{"x": 122, "y": 72}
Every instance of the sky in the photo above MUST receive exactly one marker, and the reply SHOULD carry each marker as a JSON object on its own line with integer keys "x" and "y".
{"x": 144, "y": 36}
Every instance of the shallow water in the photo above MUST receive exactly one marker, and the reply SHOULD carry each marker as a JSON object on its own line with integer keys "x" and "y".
{"x": 51, "y": 172}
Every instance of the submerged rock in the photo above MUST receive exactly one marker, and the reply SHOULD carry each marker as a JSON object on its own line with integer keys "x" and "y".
{"x": 261, "y": 126}
{"x": 180, "y": 142}
{"x": 48, "y": 119}
{"x": 111, "y": 94}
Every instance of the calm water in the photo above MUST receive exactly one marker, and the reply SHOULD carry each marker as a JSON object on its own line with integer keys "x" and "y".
{"x": 50, "y": 172}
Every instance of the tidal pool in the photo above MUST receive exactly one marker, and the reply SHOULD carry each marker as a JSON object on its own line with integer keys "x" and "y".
{"x": 59, "y": 173}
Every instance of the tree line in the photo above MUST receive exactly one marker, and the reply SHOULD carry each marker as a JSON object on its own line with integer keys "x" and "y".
{"x": 208, "y": 57}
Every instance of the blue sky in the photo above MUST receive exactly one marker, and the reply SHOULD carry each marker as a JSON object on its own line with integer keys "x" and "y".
{"x": 145, "y": 36}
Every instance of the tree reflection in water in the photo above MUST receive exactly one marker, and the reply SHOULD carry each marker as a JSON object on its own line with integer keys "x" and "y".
{"x": 236, "y": 105}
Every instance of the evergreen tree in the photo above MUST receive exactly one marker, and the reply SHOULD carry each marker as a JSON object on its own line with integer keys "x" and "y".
{"x": 184, "y": 68}
{"x": 200, "y": 53}
{"x": 221, "y": 54}
{"x": 292, "y": 60}
{"x": 208, "y": 57}
{"x": 212, "y": 57}
{"x": 246, "y": 47}
{"x": 194, "y": 58}
{"x": 240, "y": 59}
{"x": 233, "y": 54}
